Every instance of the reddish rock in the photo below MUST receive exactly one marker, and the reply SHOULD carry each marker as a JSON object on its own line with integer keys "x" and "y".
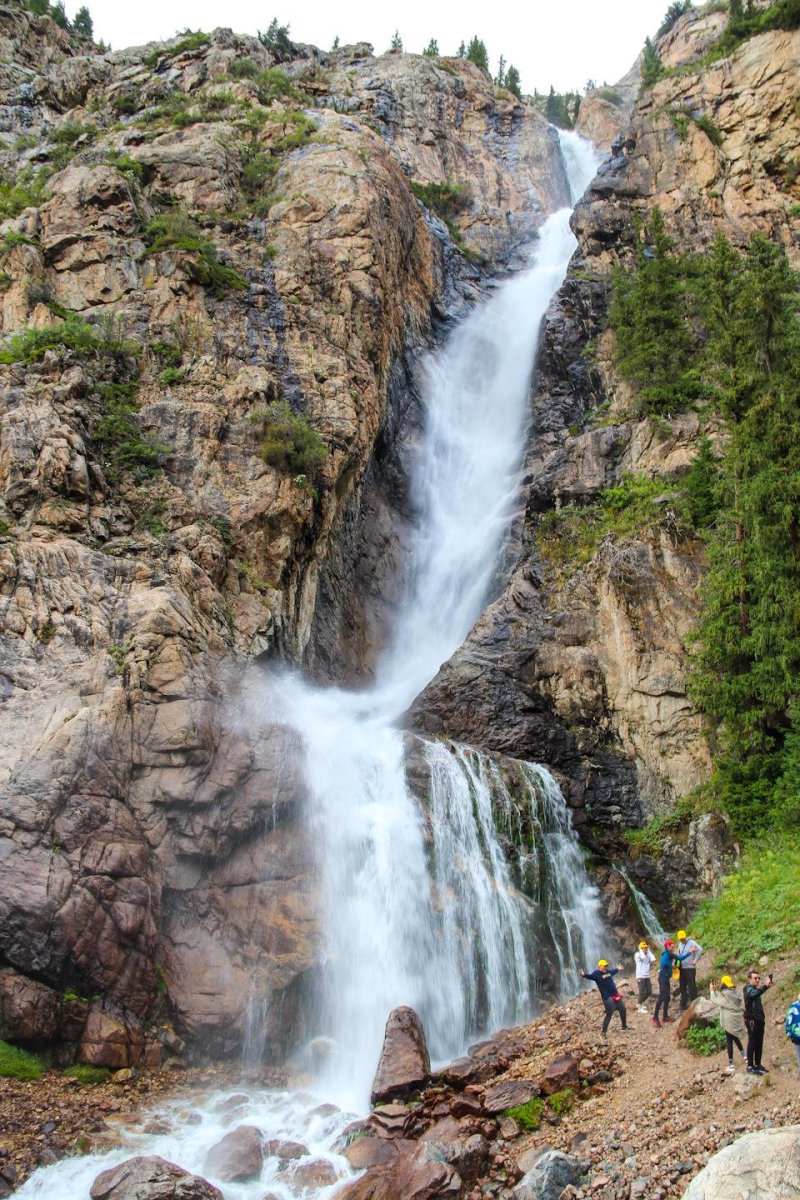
{"x": 276, "y": 1148}
{"x": 561, "y": 1073}
{"x": 463, "y": 1071}
{"x": 29, "y": 1011}
{"x": 370, "y": 1152}
{"x": 390, "y": 1120}
{"x": 316, "y": 1173}
{"x": 512, "y": 1092}
{"x": 110, "y": 1041}
{"x": 466, "y": 1106}
{"x": 405, "y": 1179}
{"x": 509, "y": 1129}
{"x": 404, "y": 1063}
{"x": 454, "y": 1142}
{"x": 238, "y": 1156}
{"x": 701, "y": 1012}
{"x": 148, "y": 1177}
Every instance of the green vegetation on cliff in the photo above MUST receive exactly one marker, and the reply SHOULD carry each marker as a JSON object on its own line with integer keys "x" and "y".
{"x": 721, "y": 333}
{"x": 18, "y": 1064}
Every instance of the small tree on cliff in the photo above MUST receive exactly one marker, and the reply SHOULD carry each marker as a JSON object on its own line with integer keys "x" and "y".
{"x": 432, "y": 49}
{"x": 652, "y": 66}
{"x": 513, "y": 82}
{"x": 396, "y": 42}
{"x": 83, "y": 23}
{"x": 478, "y": 54}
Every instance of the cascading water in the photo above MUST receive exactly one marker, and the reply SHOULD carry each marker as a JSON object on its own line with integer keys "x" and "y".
{"x": 469, "y": 901}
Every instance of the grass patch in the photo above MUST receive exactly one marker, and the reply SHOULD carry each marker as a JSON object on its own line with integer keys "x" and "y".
{"x": 705, "y": 1041}
{"x": 86, "y": 1074}
{"x": 568, "y": 537}
{"x": 288, "y": 442}
{"x": 446, "y": 200}
{"x": 528, "y": 1116}
{"x": 758, "y": 909}
{"x": 177, "y": 231}
{"x": 75, "y": 334}
{"x": 12, "y": 239}
{"x": 127, "y": 166}
{"x": 172, "y": 375}
{"x": 243, "y": 68}
{"x": 18, "y": 1064}
{"x": 22, "y": 189}
{"x": 652, "y": 837}
{"x": 561, "y": 1102}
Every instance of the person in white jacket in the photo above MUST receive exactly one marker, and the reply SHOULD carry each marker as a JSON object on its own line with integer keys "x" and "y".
{"x": 644, "y": 959}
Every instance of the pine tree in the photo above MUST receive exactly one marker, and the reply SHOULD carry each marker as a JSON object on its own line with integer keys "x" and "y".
{"x": 396, "y": 42}
{"x": 500, "y": 77}
{"x": 59, "y": 15}
{"x": 552, "y": 108}
{"x": 652, "y": 66}
{"x": 432, "y": 49}
{"x": 513, "y": 82}
{"x": 462, "y": 50}
{"x": 701, "y": 485}
{"x": 83, "y": 23}
{"x": 477, "y": 53}
{"x": 335, "y": 45}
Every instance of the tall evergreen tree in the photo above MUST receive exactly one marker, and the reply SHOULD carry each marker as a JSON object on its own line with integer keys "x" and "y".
{"x": 462, "y": 50}
{"x": 432, "y": 49}
{"x": 513, "y": 82}
{"x": 652, "y": 66}
{"x": 477, "y": 53}
{"x": 500, "y": 77}
{"x": 83, "y": 23}
{"x": 396, "y": 42}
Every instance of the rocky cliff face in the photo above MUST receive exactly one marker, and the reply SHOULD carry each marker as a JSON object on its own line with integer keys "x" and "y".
{"x": 583, "y": 664}
{"x": 221, "y": 234}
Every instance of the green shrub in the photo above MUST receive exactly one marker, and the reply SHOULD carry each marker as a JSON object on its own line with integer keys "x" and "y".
{"x": 120, "y": 444}
{"x": 705, "y": 1041}
{"x": 243, "y": 68}
{"x": 188, "y": 43}
{"x": 652, "y": 837}
{"x": 87, "y": 1075}
{"x": 18, "y": 1064}
{"x": 125, "y": 104}
{"x": 300, "y": 128}
{"x": 127, "y": 166}
{"x": 172, "y": 375}
{"x": 258, "y": 171}
{"x": 561, "y": 1102}
{"x": 446, "y": 199}
{"x": 167, "y": 354}
{"x": 288, "y": 442}
{"x": 275, "y": 84}
{"x": 22, "y": 189}
{"x": 758, "y": 909}
{"x": 528, "y": 1116}
{"x": 75, "y": 334}
{"x": 177, "y": 231}
{"x": 12, "y": 239}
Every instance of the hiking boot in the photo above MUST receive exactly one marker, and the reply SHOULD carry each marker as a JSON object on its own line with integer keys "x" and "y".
{"x": 761, "y": 1070}
{"x": 752, "y": 1071}
{"x": 669, "y": 1020}
{"x": 655, "y": 1021}
{"x": 730, "y": 1069}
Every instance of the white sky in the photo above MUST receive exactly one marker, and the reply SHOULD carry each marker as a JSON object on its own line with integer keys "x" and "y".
{"x": 563, "y": 42}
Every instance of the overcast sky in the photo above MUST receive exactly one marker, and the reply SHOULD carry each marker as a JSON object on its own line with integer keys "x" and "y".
{"x": 563, "y": 42}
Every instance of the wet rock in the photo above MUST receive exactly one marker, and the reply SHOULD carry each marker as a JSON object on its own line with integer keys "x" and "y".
{"x": 760, "y": 1166}
{"x": 238, "y": 1156}
{"x": 390, "y": 1120}
{"x": 278, "y": 1148}
{"x": 500, "y": 1096}
{"x": 455, "y": 1142}
{"x": 549, "y": 1176}
{"x": 404, "y": 1063}
{"x": 313, "y": 1174}
{"x": 369, "y": 1152}
{"x": 405, "y": 1179}
{"x": 561, "y": 1073}
{"x": 151, "y": 1178}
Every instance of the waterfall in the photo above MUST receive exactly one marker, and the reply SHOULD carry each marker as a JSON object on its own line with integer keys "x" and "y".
{"x": 649, "y": 918}
{"x": 458, "y": 888}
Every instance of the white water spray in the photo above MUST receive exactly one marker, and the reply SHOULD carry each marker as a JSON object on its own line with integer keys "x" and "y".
{"x": 424, "y": 904}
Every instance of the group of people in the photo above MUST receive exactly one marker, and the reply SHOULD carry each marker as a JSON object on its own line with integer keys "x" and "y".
{"x": 741, "y": 1013}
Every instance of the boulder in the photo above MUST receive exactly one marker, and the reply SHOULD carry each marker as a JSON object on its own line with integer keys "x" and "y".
{"x": 279, "y": 1148}
{"x": 110, "y": 1041}
{"x": 309, "y": 1176}
{"x": 551, "y": 1173}
{"x": 405, "y": 1179}
{"x": 369, "y": 1152}
{"x": 390, "y": 1120}
{"x": 454, "y": 1142}
{"x": 404, "y": 1063}
{"x": 29, "y": 1011}
{"x": 745, "y": 1086}
{"x": 701, "y": 1012}
{"x": 758, "y": 1166}
{"x": 561, "y": 1073}
{"x": 238, "y": 1156}
{"x": 509, "y": 1094}
{"x": 148, "y": 1177}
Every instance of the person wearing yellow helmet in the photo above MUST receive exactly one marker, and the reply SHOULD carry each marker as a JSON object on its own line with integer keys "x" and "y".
{"x": 612, "y": 1001}
{"x": 644, "y": 959}
{"x": 728, "y": 1000}
{"x": 687, "y": 979}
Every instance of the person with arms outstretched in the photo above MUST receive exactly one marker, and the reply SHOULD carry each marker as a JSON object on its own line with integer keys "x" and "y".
{"x": 603, "y": 976}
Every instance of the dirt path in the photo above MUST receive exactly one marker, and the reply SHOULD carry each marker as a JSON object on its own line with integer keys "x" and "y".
{"x": 650, "y": 1129}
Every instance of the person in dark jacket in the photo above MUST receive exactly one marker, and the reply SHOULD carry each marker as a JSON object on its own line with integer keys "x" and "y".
{"x": 669, "y": 957}
{"x": 755, "y": 1020}
{"x": 612, "y": 1001}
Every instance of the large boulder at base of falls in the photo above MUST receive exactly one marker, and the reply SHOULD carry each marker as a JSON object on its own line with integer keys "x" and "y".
{"x": 238, "y": 1156}
{"x": 410, "y": 1177}
{"x": 148, "y": 1177}
{"x": 549, "y": 1176}
{"x": 404, "y": 1063}
{"x": 701, "y": 1012}
{"x": 758, "y": 1166}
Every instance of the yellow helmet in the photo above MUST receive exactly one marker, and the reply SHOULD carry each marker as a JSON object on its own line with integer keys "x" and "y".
{"x": 726, "y": 981}
{"x": 682, "y": 935}
{"x": 602, "y": 962}
{"x": 642, "y": 945}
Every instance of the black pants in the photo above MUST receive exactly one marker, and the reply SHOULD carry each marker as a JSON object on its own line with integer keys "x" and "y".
{"x": 645, "y": 989}
{"x": 688, "y": 982}
{"x": 612, "y": 1006}
{"x": 732, "y": 1040}
{"x": 663, "y": 996}
{"x": 755, "y": 1042}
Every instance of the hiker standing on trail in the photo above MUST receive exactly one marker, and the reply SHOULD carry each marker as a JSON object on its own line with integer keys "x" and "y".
{"x": 688, "y": 975}
{"x": 728, "y": 1000}
{"x": 612, "y": 1001}
{"x": 644, "y": 959}
{"x": 669, "y": 956}
{"x": 793, "y": 1027}
{"x": 755, "y": 1020}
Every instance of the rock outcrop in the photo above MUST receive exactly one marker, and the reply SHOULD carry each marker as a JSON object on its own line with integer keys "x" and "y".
{"x": 404, "y": 1063}
{"x": 761, "y": 1166}
{"x": 151, "y": 1178}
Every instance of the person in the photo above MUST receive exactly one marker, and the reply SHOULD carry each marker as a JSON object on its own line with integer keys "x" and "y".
{"x": 755, "y": 1020}
{"x": 644, "y": 959}
{"x": 669, "y": 956}
{"x": 688, "y": 970}
{"x": 793, "y": 1027}
{"x": 728, "y": 1000}
{"x": 612, "y": 1001}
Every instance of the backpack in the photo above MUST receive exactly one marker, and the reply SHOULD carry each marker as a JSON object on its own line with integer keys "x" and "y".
{"x": 793, "y": 1023}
